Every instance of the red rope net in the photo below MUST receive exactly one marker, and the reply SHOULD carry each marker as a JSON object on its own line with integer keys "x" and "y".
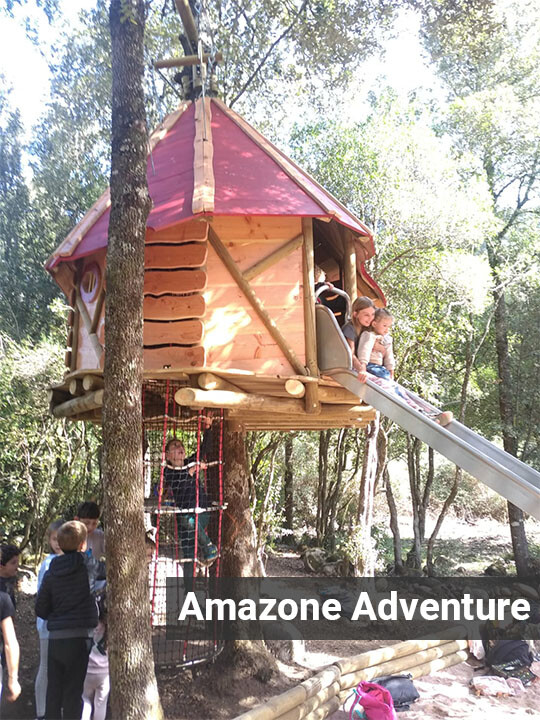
{"x": 183, "y": 480}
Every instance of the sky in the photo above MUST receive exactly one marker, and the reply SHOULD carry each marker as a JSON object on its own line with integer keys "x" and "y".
{"x": 25, "y": 66}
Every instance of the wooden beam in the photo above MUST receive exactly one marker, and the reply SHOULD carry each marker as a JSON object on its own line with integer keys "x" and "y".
{"x": 74, "y": 341}
{"x": 349, "y": 267}
{"x": 312, "y": 402}
{"x": 274, "y": 257}
{"x": 209, "y": 381}
{"x": 81, "y": 404}
{"x": 328, "y": 412}
{"x": 193, "y": 397}
{"x": 92, "y": 382}
{"x": 75, "y": 387}
{"x": 295, "y": 388}
{"x": 255, "y": 302}
{"x": 188, "y": 21}
{"x": 186, "y": 60}
{"x": 336, "y": 395}
{"x": 97, "y": 311}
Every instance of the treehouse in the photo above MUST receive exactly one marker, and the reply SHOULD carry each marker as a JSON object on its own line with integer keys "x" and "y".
{"x": 229, "y": 306}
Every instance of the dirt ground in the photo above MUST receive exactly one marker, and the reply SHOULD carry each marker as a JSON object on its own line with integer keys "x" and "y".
{"x": 199, "y": 696}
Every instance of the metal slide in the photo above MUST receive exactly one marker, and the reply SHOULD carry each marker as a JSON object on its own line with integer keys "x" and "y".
{"x": 502, "y": 472}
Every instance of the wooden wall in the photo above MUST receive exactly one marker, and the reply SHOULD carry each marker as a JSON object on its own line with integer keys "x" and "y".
{"x": 234, "y": 336}
{"x": 195, "y": 315}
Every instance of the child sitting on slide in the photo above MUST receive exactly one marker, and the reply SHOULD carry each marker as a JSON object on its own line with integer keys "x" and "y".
{"x": 375, "y": 356}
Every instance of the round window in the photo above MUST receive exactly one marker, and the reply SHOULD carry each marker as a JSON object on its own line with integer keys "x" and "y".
{"x": 90, "y": 282}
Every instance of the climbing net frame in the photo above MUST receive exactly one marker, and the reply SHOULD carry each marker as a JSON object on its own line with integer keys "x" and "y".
{"x": 184, "y": 515}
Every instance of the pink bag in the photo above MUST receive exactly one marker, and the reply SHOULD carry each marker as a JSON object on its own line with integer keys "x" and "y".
{"x": 375, "y": 700}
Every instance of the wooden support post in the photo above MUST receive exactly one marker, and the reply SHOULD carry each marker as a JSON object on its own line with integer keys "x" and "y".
{"x": 350, "y": 267}
{"x": 295, "y": 388}
{"x": 188, "y": 22}
{"x": 209, "y": 381}
{"x": 74, "y": 339}
{"x": 255, "y": 302}
{"x": 312, "y": 394}
{"x": 79, "y": 405}
{"x": 274, "y": 257}
{"x": 97, "y": 312}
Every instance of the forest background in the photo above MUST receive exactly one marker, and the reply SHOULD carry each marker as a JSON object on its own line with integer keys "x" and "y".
{"x": 447, "y": 179}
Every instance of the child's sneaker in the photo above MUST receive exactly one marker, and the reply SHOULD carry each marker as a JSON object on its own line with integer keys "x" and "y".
{"x": 444, "y": 418}
{"x": 211, "y": 552}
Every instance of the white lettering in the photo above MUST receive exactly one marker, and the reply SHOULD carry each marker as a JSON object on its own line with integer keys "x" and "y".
{"x": 521, "y": 609}
{"x": 193, "y": 608}
{"x": 364, "y": 607}
{"x": 331, "y": 610}
{"x": 268, "y": 604}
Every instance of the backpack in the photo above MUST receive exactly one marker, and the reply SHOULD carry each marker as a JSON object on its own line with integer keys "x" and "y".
{"x": 402, "y": 689}
{"x": 376, "y": 702}
{"x": 509, "y": 651}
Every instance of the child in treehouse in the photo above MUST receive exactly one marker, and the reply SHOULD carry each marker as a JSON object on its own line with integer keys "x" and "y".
{"x": 375, "y": 357}
{"x": 363, "y": 312}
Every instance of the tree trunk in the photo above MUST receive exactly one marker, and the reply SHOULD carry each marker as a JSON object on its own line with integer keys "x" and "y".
{"x": 288, "y": 483}
{"x": 506, "y": 410}
{"x": 240, "y": 658}
{"x": 134, "y": 692}
{"x": 366, "y": 562}
{"x": 394, "y": 522}
{"x": 239, "y": 547}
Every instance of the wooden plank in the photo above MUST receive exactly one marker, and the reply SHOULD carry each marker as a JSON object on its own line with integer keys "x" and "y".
{"x": 268, "y": 322}
{"x": 158, "y": 358}
{"x": 179, "y": 332}
{"x": 191, "y": 231}
{"x": 279, "y": 254}
{"x": 170, "y": 282}
{"x": 258, "y": 346}
{"x": 248, "y": 229}
{"x": 191, "y": 255}
{"x": 203, "y": 170}
{"x": 173, "y": 307}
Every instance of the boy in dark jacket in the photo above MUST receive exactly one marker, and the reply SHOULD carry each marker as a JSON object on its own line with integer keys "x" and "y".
{"x": 65, "y": 601}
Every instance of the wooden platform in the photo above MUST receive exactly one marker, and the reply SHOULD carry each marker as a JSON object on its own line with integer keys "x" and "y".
{"x": 251, "y": 401}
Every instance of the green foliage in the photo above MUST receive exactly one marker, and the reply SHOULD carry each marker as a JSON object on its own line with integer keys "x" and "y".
{"x": 46, "y": 466}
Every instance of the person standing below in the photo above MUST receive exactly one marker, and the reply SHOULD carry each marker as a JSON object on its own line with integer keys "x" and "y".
{"x": 363, "y": 312}
{"x": 65, "y": 601}
{"x": 97, "y": 684}
{"x": 40, "y": 687}
{"x": 88, "y": 513}
{"x": 9, "y": 648}
{"x": 9, "y": 564}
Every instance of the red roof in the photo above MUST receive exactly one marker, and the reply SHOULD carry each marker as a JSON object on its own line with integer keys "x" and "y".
{"x": 206, "y": 160}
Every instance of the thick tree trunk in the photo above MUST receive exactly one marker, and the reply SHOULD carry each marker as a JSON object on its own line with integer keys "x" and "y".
{"x": 288, "y": 483}
{"x": 134, "y": 692}
{"x": 239, "y": 547}
{"x": 366, "y": 561}
{"x": 240, "y": 658}
{"x": 506, "y": 410}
